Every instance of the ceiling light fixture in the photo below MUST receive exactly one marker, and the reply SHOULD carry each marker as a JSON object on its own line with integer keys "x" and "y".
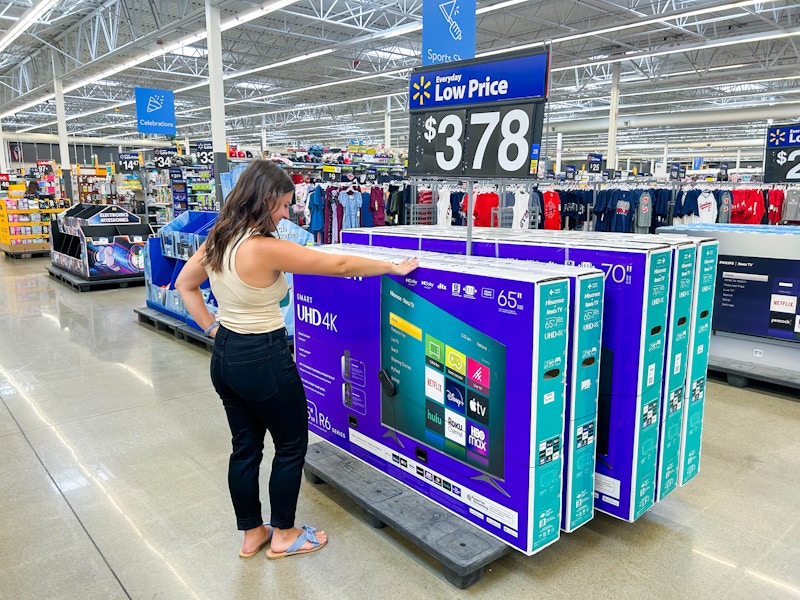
{"x": 30, "y": 16}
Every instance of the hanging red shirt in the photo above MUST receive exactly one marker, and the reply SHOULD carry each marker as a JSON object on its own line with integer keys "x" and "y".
{"x": 552, "y": 210}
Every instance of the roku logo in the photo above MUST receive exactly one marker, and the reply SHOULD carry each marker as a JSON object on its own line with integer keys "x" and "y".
{"x": 453, "y": 424}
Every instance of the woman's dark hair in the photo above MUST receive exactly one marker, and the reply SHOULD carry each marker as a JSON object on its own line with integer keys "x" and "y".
{"x": 33, "y": 188}
{"x": 249, "y": 204}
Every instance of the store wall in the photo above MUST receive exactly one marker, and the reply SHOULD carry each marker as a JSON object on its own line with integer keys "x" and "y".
{"x": 25, "y": 154}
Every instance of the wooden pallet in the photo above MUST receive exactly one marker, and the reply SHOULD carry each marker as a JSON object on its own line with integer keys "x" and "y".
{"x": 81, "y": 284}
{"x": 161, "y": 322}
{"x": 462, "y": 549}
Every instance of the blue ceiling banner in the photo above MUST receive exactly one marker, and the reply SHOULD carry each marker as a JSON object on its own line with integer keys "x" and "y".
{"x": 448, "y": 31}
{"x": 479, "y": 81}
{"x": 155, "y": 111}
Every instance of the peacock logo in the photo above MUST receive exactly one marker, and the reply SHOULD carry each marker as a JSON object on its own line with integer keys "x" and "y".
{"x": 421, "y": 92}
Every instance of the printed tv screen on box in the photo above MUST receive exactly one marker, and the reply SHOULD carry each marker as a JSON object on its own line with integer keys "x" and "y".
{"x": 450, "y": 390}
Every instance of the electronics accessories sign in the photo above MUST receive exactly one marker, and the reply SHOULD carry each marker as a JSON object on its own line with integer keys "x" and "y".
{"x": 478, "y": 118}
{"x": 782, "y": 154}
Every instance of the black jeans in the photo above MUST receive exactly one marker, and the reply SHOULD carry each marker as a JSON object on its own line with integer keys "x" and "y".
{"x": 257, "y": 380}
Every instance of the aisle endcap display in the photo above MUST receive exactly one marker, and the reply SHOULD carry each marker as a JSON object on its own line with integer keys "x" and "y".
{"x": 99, "y": 241}
{"x": 25, "y": 221}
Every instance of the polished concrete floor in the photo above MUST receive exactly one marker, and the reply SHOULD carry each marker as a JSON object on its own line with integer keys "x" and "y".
{"x": 113, "y": 456}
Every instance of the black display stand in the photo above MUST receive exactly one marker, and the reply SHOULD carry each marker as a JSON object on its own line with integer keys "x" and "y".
{"x": 462, "y": 549}
{"x": 99, "y": 242}
{"x": 82, "y": 284}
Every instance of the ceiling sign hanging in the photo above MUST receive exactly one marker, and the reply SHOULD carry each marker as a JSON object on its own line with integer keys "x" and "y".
{"x": 155, "y": 111}
{"x": 448, "y": 31}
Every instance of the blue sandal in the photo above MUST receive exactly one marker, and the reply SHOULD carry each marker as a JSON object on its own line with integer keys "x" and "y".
{"x": 307, "y": 535}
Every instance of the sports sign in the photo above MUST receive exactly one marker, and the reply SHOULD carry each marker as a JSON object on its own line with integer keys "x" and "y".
{"x": 448, "y": 31}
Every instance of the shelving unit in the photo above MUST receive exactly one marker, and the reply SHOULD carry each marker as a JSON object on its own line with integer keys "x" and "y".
{"x": 158, "y": 199}
{"x": 25, "y": 223}
{"x": 199, "y": 188}
{"x": 95, "y": 186}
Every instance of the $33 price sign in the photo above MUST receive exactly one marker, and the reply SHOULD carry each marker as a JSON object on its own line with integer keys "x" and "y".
{"x": 485, "y": 141}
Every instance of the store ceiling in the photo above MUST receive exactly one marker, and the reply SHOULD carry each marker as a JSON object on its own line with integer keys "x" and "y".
{"x": 324, "y": 71}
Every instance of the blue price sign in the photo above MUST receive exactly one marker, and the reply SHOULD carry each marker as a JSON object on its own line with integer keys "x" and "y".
{"x": 478, "y": 117}
{"x": 782, "y": 155}
{"x": 205, "y": 153}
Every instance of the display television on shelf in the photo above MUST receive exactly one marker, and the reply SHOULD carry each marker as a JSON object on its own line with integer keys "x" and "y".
{"x": 449, "y": 380}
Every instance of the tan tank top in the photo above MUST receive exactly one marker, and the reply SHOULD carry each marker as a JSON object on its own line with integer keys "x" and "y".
{"x": 242, "y": 307}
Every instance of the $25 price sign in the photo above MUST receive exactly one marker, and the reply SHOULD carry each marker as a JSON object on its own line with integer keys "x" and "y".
{"x": 492, "y": 140}
{"x": 782, "y": 155}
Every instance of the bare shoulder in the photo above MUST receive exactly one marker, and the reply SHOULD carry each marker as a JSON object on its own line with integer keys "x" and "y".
{"x": 268, "y": 246}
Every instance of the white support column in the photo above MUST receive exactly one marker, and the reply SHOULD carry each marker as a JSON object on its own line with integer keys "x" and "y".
{"x": 559, "y": 147}
{"x": 666, "y": 154}
{"x": 738, "y": 157}
{"x": 216, "y": 91}
{"x": 613, "y": 113}
{"x": 263, "y": 134}
{"x": 63, "y": 144}
{"x": 387, "y": 126}
{"x": 3, "y": 151}
{"x": 186, "y": 143}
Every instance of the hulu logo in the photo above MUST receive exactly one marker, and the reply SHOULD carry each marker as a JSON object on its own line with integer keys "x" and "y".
{"x": 434, "y": 417}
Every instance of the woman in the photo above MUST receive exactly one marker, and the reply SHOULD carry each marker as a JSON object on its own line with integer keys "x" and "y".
{"x": 251, "y": 365}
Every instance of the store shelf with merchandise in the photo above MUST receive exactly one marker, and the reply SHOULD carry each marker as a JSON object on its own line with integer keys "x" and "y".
{"x": 158, "y": 198}
{"x": 26, "y": 221}
{"x": 95, "y": 185}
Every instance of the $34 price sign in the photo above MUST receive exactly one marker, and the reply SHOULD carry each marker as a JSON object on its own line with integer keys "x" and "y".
{"x": 484, "y": 141}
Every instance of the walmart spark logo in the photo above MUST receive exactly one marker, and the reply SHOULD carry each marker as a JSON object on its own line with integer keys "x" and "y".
{"x": 421, "y": 92}
{"x": 777, "y": 137}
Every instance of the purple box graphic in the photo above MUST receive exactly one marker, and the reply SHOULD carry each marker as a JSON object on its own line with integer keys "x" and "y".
{"x": 459, "y": 365}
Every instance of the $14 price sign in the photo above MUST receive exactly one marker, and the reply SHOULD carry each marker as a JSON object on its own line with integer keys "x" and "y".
{"x": 485, "y": 141}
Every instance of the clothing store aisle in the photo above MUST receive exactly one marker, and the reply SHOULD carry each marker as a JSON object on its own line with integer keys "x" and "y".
{"x": 113, "y": 460}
